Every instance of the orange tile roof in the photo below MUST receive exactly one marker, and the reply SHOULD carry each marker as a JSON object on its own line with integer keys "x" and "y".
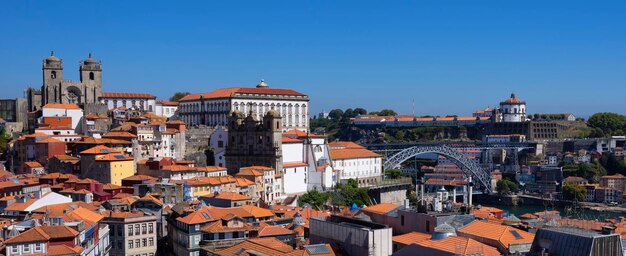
{"x": 258, "y": 212}
{"x": 99, "y": 150}
{"x": 382, "y": 208}
{"x": 55, "y": 232}
{"x": 264, "y": 246}
{"x": 64, "y": 250}
{"x": 65, "y": 106}
{"x": 122, "y": 215}
{"x": 492, "y": 233}
{"x": 113, "y": 158}
{"x": 352, "y": 153}
{"x": 411, "y": 238}
{"x": 211, "y": 168}
{"x": 168, "y": 103}
{"x": 287, "y": 140}
{"x": 294, "y": 164}
{"x": 242, "y": 182}
{"x": 344, "y": 145}
{"x": 56, "y": 210}
{"x": 258, "y": 168}
{"x": 35, "y": 234}
{"x": 229, "y": 196}
{"x": 456, "y": 245}
{"x": 65, "y": 121}
{"x": 249, "y": 172}
{"x": 127, "y": 95}
{"x": 33, "y": 164}
{"x": 230, "y": 92}
{"x": 178, "y": 168}
{"x": 139, "y": 177}
{"x": 49, "y": 140}
{"x": 86, "y": 215}
{"x": 119, "y": 135}
{"x": 274, "y": 231}
{"x": 615, "y": 176}
{"x": 197, "y": 217}
{"x": 150, "y": 198}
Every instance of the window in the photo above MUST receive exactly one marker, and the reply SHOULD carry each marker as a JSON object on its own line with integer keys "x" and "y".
{"x": 151, "y": 241}
{"x": 137, "y": 243}
{"x": 119, "y": 244}
{"x": 130, "y": 230}
{"x": 144, "y": 242}
{"x": 37, "y": 247}
{"x": 120, "y": 230}
{"x": 150, "y": 228}
{"x": 14, "y": 249}
{"x": 53, "y": 75}
{"x": 402, "y": 220}
{"x": 91, "y": 76}
{"x": 137, "y": 230}
{"x": 130, "y": 244}
{"x": 144, "y": 229}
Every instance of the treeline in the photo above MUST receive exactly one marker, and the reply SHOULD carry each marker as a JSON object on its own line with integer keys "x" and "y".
{"x": 337, "y": 124}
{"x": 607, "y": 124}
{"x": 344, "y": 195}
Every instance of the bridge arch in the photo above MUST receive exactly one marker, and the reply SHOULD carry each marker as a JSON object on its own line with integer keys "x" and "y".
{"x": 469, "y": 168}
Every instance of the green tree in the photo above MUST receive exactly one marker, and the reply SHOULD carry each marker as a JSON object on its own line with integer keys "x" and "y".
{"x": 387, "y": 112}
{"x": 349, "y": 113}
{"x": 612, "y": 164}
{"x": 591, "y": 171}
{"x": 573, "y": 191}
{"x": 4, "y": 141}
{"x": 178, "y": 95}
{"x": 335, "y": 114}
{"x": 609, "y": 123}
{"x": 393, "y": 173}
{"x": 506, "y": 186}
{"x": 315, "y": 198}
{"x": 360, "y": 111}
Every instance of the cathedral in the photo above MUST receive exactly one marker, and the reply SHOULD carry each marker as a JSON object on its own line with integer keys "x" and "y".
{"x": 57, "y": 90}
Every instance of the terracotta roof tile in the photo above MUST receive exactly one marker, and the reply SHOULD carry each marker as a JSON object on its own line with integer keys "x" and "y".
{"x": 127, "y": 95}
{"x": 352, "y": 153}
{"x": 65, "y": 106}
{"x": 503, "y": 235}
{"x": 35, "y": 234}
{"x": 99, "y": 150}
{"x": 274, "y": 231}
{"x": 382, "y": 208}
{"x": 231, "y": 92}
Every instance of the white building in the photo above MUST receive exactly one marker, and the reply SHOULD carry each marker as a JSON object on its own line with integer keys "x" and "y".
{"x": 142, "y": 101}
{"x": 218, "y": 142}
{"x": 353, "y": 161}
{"x": 165, "y": 108}
{"x": 513, "y": 110}
{"x": 63, "y": 110}
{"x": 213, "y": 108}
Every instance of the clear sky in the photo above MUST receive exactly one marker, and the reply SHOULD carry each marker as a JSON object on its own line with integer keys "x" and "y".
{"x": 451, "y": 57}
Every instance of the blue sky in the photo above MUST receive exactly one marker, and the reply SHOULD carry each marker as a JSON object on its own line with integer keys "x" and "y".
{"x": 451, "y": 57}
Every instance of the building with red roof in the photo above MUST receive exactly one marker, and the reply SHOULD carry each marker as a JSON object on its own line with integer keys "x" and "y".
{"x": 213, "y": 108}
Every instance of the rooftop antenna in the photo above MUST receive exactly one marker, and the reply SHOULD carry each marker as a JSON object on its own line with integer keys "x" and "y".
{"x": 414, "y": 107}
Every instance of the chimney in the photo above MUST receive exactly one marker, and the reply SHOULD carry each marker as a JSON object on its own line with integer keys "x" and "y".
{"x": 608, "y": 230}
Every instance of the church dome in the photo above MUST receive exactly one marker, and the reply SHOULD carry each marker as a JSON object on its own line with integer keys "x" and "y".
{"x": 90, "y": 60}
{"x": 52, "y": 58}
{"x": 513, "y": 100}
{"x": 262, "y": 84}
{"x": 273, "y": 113}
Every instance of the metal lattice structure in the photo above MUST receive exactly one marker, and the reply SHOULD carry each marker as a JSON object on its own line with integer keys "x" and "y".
{"x": 469, "y": 167}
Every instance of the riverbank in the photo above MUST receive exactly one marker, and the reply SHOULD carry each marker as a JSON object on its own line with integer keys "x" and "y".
{"x": 518, "y": 203}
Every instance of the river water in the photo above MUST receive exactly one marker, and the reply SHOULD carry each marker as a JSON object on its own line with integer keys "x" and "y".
{"x": 576, "y": 214}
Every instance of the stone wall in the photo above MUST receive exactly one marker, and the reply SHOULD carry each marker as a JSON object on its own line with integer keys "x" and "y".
{"x": 197, "y": 144}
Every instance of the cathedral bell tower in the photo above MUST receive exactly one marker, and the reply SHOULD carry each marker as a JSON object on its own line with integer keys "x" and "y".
{"x": 91, "y": 79}
{"x": 52, "y": 77}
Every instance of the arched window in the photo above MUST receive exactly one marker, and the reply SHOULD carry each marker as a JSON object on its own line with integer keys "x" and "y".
{"x": 91, "y": 77}
{"x": 53, "y": 75}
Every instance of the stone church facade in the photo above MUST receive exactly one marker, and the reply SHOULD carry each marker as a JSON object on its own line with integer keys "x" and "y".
{"x": 254, "y": 143}
{"x": 57, "y": 90}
